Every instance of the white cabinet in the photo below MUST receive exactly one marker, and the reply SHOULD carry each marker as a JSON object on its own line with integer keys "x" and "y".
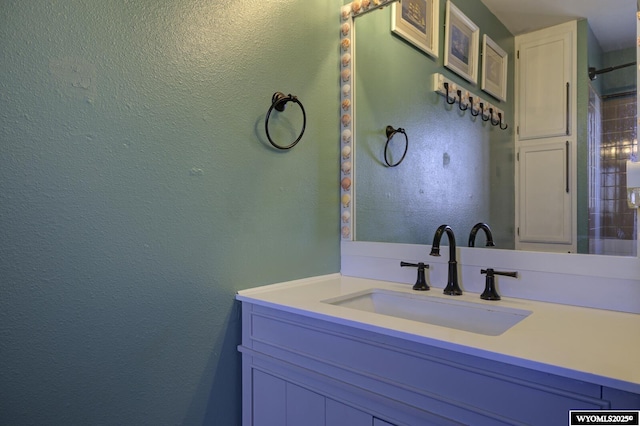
{"x": 545, "y": 88}
{"x": 339, "y": 414}
{"x": 269, "y": 396}
{"x": 546, "y": 101}
{"x": 378, "y": 422}
{"x": 545, "y": 193}
{"x": 621, "y": 400}
{"x": 277, "y": 402}
{"x": 299, "y": 370}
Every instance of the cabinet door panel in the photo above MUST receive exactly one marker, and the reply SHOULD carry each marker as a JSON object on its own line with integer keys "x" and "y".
{"x": 621, "y": 400}
{"x": 339, "y": 414}
{"x": 544, "y": 84}
{"x": 269, "y": 400}
{"x": 544, "y": 194}
{"x": 304, "y": 408}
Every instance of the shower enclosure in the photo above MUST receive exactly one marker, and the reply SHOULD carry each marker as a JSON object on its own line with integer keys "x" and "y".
{"x": 612, "y": 140}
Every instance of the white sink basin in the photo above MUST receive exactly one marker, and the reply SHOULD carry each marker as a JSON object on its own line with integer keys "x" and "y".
{"x": 481, "y": 318}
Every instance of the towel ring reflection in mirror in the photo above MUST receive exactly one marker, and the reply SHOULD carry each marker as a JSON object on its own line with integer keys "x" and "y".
{"x": 390, "y": 133}
{"x": 278, "y": 102}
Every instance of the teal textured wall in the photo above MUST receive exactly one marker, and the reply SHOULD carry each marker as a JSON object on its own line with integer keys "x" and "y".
{"x": 622, "y": 79}
{"x": 583, "y": 48}
{"x": 138, "y": 194}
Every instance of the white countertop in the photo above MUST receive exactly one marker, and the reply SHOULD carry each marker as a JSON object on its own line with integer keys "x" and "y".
{"x": 591, "y": 345}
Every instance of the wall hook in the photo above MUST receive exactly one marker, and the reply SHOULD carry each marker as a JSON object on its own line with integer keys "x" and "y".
{"x": 494, "y": 123}
{"x": 390, "y": 133}
{"x": 460, "y": 101}
{"x": 482, "y": 112}
{"x": 446, "y": 97}
{"x": 505, "y": 124}
{"x": 472, "y": 109}
{"x": 278, "y": 102}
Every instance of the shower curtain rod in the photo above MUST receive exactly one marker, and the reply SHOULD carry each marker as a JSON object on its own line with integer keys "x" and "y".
{"x": 620, "y": 95}
{"x": 593, "y": 73}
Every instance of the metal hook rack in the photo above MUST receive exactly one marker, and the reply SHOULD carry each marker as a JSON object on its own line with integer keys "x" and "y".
{"x": 500, "y": 122}
{"x": 446, "y": 96}
{"x": 483, "y": 109}
{"x": 494, "y": 123}
{"x": 460, "y": 101}
{"x": 473, "y": 111}
{"x": 468, "y": 101}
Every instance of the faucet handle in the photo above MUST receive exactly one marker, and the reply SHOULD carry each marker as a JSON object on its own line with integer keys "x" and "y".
{"x": 421, "y": 281}
{"x": 490, "y": 292}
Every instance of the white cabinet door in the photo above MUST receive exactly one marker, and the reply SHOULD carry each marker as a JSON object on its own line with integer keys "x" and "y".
{"x": 304, "y": 407}
{"x": 545, "y": 199}
{"x": 544, "y": 78}
{"x": 621, "y": 400}
{"x": 339, "y": 414}
{"x": 277, "y": 402}
{"x": 378, "y": 422}
{"x": 269, "y": 400}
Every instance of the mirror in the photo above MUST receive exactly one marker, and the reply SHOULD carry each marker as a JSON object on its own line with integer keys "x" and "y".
{"x": 458, "y": 170}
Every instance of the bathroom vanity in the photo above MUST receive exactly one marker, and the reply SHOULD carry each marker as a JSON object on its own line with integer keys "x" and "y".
{"x": 362, "y": 347}
{"x": 317, "y": 351}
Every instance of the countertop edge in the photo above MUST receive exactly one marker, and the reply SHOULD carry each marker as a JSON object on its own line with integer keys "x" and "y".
{"x": 467, "y": 350}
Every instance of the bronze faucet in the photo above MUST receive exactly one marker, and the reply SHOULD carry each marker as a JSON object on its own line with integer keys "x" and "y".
{"x": 487, "y": 232}
{"x": 452, "y": 288}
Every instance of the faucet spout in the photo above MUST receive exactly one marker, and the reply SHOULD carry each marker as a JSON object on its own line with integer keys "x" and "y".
{"x": 487, "y": 232}
{"x": 452, "y": 288}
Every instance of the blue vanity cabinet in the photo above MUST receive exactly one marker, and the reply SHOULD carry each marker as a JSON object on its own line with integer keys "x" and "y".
{"x": 621, "y": 400}
{"x": 339, "y": 414}
{"x": 279, "y": 402}
{"x": 378, "y": 422}
{"x": 310, "y": 371}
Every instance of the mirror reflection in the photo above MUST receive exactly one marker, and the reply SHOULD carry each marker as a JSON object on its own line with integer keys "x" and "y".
{"x": 460, "y": 170}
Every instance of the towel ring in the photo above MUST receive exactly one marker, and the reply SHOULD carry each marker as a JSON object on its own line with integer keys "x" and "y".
{"x": 390, "y": 133}
{"x": 278, "y": 102}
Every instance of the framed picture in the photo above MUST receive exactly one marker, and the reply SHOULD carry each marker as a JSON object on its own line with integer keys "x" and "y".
{"x": 461, "y": 44}
{"x": 494, "y": 69}
{"x": 417, "y": 22}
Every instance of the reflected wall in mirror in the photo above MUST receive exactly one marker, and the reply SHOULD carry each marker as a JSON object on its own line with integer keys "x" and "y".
{"x": 460, "y": 170}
